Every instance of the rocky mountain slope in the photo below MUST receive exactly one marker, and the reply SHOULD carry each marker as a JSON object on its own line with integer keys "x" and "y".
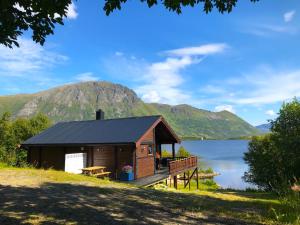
{"x": 79, "y": 102}
{"x": 264, "y": 128}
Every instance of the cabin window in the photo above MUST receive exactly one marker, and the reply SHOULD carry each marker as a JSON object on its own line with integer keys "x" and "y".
{"x": 150, "y": 150}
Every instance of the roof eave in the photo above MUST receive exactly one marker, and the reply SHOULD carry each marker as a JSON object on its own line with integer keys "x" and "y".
{"x": 75, "y": 144}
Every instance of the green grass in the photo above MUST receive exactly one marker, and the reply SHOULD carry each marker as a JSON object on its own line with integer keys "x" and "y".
{"x": 34, "y": 196}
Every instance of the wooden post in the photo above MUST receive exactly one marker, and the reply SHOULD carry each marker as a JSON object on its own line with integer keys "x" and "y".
{"x": 65, "y": 152}
{"x": 154, "y": 149}
{"x": 88, "y": 157}
{"x": 116, "y": 162}
{"x": 134, "y": 161}
{"x": 189, "y": 180}
{"x": 167, "y": 182}
{"x": 159, "y": 147}
{"x": 184, "y": 178}
{"x": 173, "y": 150}
{"x": 29, "y": 156}
{"x": 92, "y": 156}
{"x": 197, "y": 175}
{"x": 40, "y": 158}
{"x": 175, "y": 182}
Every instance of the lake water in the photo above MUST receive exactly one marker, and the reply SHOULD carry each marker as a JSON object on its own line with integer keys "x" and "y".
{"x": 224, "y": 156}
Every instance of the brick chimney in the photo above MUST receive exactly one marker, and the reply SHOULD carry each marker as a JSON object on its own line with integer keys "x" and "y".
{"x": 99, "y": 115}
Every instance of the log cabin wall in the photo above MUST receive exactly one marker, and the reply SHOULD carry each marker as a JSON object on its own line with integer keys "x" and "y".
{"x": 125, "y": 154}
{"x": 33, "y": 156}
{"x": 47, "y": 157}
{"x": 54, "y": 157}
{"x": 114, "y": 158}
{"x": 144, "y": 160}
{"x": 104, "y": 156}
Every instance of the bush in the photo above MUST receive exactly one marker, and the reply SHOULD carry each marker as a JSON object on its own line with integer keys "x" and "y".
{"x": 13, "y": 133}
{"x": 265, "y": 170}
{"x": 166, "y": 154}
{"x": 289, "y": 209}
{"x": 182, "y": 152}
{"x": 206, "y": 170}
{"x": 274, "y": 159}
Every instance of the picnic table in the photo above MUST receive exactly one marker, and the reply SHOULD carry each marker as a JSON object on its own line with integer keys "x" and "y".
{"x": 97, "y": 171}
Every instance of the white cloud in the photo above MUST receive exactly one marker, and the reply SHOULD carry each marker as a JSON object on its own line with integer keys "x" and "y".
{"x": 119, "y": 53}
{"x": 266, "y": 30}
{"x": 212, "y": 89}
{"x": 89, "y": 76}
{"x": 264, "y": 86}
{"x": 28, "y": 68}
{"x": 289, "y": 16}
{"x": 271, "y": 87}
{"x": 207, "y": 49}
{"x": 71, "y": 12}
{"x": 228, "y": 108}
{"x": 270, "y": 112}
{"x": 28, "y": 58}
{"x": 162, "y": 81}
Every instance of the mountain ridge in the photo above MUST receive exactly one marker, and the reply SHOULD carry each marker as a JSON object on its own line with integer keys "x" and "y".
{"x": 79, "y": 101}
{"x": 264, "y": 128}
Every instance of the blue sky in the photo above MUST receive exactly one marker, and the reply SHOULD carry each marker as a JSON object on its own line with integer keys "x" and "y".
{"x": 247, "y": 62}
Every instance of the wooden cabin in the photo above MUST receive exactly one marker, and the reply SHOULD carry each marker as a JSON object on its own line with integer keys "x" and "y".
{"x": 112, "y": 143}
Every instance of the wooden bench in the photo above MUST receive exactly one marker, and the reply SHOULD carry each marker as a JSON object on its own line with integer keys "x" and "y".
{"x": 103, "y": 174}
{"x": 93, "y": 169}
{"x": 97, "y": 171}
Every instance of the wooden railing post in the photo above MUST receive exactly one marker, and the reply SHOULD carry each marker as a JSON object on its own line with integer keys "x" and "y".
{"x": 181, "y": 164}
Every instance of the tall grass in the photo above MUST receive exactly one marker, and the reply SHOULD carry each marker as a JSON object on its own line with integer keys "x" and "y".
{"x": 3, "y": 165}
{"x": 289, "y": 210}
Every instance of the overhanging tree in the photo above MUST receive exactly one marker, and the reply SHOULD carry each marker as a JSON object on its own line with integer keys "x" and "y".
{"x": 14, "y": 132}
{"x": 41, "y": 16}
{"x": 274, "y": 159}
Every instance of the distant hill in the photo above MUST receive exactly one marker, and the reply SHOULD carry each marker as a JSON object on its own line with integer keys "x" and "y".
{"x": 79, "y": 102}
{"x": 264, "y": 128}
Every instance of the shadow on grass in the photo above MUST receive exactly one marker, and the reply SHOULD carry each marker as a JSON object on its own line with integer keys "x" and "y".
{"x": 57, "y": 203}
{"x": 261, "y": 195}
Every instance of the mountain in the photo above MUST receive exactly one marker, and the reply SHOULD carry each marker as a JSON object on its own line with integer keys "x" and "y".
{"x": 79, "y": 102}
{"x": 264, "y": 128}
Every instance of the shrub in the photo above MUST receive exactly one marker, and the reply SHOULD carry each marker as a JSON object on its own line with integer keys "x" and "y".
{"x": 265, "y": 169}
{"x": 289, "y": 209}
{"x": 166, "y": 154}
{"x": 14, "y": 132}
{"x": 206, "y": 170}
{"x": 182, "y": 152}
{"x": 274, "y": 159}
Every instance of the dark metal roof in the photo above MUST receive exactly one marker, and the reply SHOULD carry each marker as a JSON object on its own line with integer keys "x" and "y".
{"x": 123, "y": 130}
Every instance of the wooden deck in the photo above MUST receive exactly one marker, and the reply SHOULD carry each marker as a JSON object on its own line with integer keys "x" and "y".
{"x": 174, "y": 167}
{"x": 151, "y": 180}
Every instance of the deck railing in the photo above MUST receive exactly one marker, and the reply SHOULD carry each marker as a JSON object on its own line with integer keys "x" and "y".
{"x": 180, "y": 165}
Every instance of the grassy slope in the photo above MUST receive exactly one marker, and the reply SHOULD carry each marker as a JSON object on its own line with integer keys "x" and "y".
{"x": 50, "y": 197}
{"x": 197, "y": 122}
{"x": 13, "y": 103}
{"x": 79, "y": 101}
